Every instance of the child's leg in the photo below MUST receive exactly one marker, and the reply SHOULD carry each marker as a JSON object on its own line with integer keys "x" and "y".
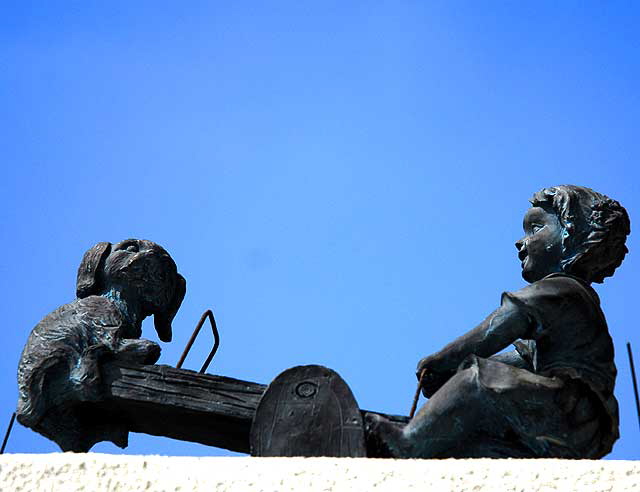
{"x": 440, "y": 426}
{"x": 480, "y": 404}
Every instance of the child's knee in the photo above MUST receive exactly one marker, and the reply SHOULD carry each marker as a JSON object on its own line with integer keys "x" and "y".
{"x": 467, "y": 382}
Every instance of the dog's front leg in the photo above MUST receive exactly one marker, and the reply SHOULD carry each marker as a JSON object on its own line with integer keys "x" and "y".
{"x": 138, "y": 350}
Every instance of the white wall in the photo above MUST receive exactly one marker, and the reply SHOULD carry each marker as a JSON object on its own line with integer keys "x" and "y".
{"x": 93, "y": 472}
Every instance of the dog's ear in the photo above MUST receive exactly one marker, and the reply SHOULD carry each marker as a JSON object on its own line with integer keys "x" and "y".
{"x": 162, "y": 321}
{"x": 90, "y": 270}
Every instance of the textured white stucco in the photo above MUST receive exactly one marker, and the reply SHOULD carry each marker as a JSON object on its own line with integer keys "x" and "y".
{"x": 93, "y": 472}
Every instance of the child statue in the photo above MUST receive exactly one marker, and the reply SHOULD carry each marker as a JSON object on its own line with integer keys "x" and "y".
{"x": 553, "y": 396}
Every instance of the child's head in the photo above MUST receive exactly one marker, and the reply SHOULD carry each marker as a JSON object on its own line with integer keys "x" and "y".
{"x": 594, "y": 230}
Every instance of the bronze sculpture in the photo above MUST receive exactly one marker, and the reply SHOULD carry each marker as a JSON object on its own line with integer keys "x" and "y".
{"x": 85, "y": 376}
{"x": 117, "y": 287}
{"x": 552, "y": 396}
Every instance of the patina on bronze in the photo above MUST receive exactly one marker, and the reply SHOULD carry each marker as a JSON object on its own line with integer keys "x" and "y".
{"x": 85, "y": 376}
{"x": 553, "y": 396}
{"x": 60, "y": 368}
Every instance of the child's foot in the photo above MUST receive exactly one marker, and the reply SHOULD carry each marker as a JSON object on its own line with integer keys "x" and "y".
{"x": 387, "y": 436}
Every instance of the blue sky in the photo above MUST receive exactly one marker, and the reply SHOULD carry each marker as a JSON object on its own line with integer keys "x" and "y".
{"x": 342, "y": 183}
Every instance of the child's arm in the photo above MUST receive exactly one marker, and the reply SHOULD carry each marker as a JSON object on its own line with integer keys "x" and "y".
{"x": 504, "y": 326}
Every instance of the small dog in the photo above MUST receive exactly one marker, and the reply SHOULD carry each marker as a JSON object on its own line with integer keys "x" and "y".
{"x": 117, "y": 287}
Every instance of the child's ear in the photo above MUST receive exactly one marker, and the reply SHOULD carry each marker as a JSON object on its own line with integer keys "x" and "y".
{"x": 90, "y": 270}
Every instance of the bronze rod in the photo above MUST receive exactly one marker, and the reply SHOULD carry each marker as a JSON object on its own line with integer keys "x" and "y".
{"x": 6, "y": 436}
{"x": 417, "y": 395}
{"x": 633, "y": 377}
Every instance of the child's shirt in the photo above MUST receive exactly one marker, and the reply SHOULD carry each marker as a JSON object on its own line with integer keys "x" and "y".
{"x": 568, "y": 335}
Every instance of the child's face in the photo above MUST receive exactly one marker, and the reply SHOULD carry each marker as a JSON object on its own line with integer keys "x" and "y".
{"x": 540, "y": 250}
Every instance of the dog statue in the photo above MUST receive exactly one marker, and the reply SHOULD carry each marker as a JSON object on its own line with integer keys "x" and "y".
{"x": 118, "y": 285}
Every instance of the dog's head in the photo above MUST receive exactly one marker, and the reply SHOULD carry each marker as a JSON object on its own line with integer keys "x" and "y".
{"x": 143, "y": 271}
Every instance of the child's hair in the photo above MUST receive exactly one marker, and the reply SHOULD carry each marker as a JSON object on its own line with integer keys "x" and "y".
{"x": 595, "y": 228}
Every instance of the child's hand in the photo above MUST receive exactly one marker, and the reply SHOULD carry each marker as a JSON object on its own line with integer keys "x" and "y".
{"x": 432, "y": 364}
{"x": 435, "y": 374}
